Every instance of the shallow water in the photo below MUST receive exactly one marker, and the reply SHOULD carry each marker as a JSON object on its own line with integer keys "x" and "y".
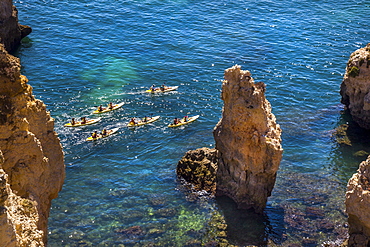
{"x": 123, "y": 189}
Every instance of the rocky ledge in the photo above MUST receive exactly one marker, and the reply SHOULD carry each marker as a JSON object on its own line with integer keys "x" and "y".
{"x": 355, "y": 88}
{"x": 248, "y": 145}
{"x": 31, "y": 162}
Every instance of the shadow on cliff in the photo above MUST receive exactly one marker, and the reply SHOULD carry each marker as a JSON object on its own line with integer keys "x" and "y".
{"x": 244, "y": 227}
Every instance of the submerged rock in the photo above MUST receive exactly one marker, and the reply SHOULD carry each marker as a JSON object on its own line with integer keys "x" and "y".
{"x": 358, "y": 206}
{"x": 248, "y": 140}
{"x": 355, "y": 88}
{"x": 33, "y": 161}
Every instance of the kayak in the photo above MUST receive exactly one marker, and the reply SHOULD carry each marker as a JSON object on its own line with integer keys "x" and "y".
{"x": 99, "y": 136}
{"x": 107, "y": 109}
{"x": 79, "y": 123}
{"x": 183, "y": 122}
{"x": 158, "y": 90}
{"x": 142, "y": 122}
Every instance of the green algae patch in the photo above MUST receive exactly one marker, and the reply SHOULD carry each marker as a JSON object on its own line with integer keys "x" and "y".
{"x": 353, "y": 71}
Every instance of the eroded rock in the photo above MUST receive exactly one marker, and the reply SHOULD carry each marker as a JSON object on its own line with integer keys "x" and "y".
{"x": 248, "y": 140}
{"x": 355, "y": 88}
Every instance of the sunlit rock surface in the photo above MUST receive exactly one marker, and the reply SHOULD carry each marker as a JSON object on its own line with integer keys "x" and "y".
{"x": 358, "y": 206}
{"x": 32, "y": 169}
{"x": 355, "y": 88}
{"x": 248, "y": 140}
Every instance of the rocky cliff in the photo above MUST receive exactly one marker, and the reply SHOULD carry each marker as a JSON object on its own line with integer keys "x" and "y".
{"x": 32, "y": 166}
{"x": 248, "y": 140}
{"x": 11, "y": 32}
{"x": 355, "y": 88}
{"x": 358, "y": 206}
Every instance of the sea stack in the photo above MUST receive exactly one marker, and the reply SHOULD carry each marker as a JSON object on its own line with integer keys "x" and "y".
{"x": 248, "y": 141}
{"x": 31, "y": 162}
{"x": 355, "y": 88}
{"x": 358, "y": 206}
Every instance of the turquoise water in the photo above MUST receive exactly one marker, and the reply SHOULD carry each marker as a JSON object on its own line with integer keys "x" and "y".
{"x": 123, "y": 190}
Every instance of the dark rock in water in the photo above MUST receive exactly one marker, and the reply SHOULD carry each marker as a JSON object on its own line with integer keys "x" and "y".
{"x": 199, "y": 167}
{"x": 131, "y": 231}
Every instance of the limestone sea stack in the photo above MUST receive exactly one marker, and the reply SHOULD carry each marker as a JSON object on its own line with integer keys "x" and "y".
{"x": 31, "y": 162}
{"x": 358, "y": 206}
{"x": 11, "y": 32}
{"x": 248, "y": 141}
{"x": 355, "y": 88}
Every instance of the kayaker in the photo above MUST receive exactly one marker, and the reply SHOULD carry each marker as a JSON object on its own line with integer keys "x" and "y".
{"x": 110, "y": 106}
{"x": 94, "y": 134}
{"x": 132, "y": 121}
{"x": 100, "y": 108}
{"x": 145, "y": 119}
{"x": 152, "y": 88}
{"x": 162, "y": 87}
{"x": 176, "y": 121}
{"x": 186, "y": 118}
{"x": 104, "y": 132}
{"x": 73, "y": 122}
{"x": 83, "y": 120}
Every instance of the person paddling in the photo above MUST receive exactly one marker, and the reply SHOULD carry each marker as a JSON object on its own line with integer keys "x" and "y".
{"x": 83, "y": 120}
{"x": 73, "y": 122}
{"x": 94, "y": 135}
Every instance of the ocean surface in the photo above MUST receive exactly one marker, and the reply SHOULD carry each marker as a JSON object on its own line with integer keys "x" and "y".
{"x": 123, "y": 190}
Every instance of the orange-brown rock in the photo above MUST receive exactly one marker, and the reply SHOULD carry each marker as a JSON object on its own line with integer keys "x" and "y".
{"x": 355, "y": 88}
{"x": 11, "y": 32}
{"x": 358, "y": 206}
{"x": 248, "y": 140}
{"x": 32, "y": 169}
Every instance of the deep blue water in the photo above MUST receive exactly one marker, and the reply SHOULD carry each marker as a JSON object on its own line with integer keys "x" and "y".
{"x": 85, "y": 53}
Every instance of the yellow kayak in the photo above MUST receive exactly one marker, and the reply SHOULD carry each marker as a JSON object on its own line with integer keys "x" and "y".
{"x": 99, "y": 136}
{"x": 183, "y": 122}
{"x": 142, "y": 122}
{"x": 79, "y": 123}
{"x": 158, "y": 90}
{"x": 107, "y": 109}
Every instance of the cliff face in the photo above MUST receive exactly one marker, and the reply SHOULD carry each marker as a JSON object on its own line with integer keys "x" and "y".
{"x": 358, "y": 206}
{"x": 248, "y": 140}
{"x": 11, "y": 33}
{"x": 355, "y": 88}
{"x": 32, "y": 167}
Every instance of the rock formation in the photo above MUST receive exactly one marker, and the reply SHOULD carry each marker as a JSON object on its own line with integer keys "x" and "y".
{"x": 32, "y": 166}
{"x": 11, "y": 33}
{"x": 248, "y": 146}
{"x": 355, "y": 88}
{"x": 199, "y": 167}
{"x": 358, "y": 206}
{"x": 248, "y": 140}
